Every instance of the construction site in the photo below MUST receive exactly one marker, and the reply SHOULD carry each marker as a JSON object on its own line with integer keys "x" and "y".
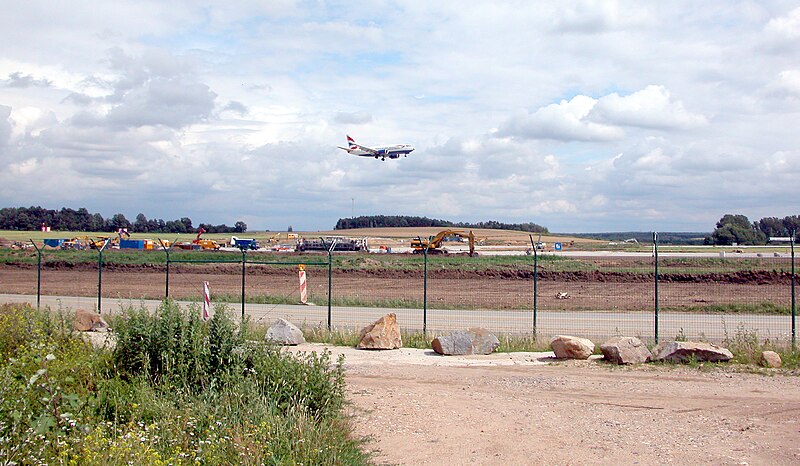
{"x": 378, "y": 240}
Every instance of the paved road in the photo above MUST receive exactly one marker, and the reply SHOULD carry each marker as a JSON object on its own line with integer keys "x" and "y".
{"x": 592, "y": 324}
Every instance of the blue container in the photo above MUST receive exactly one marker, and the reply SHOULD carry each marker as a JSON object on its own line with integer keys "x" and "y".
{"x": 131, "y": 244}
{"x": 54, "y": 242}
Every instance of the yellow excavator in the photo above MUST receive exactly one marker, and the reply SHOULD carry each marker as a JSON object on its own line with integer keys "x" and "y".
{"x": 434, "y": 246}
{"x": 205, "y": 243}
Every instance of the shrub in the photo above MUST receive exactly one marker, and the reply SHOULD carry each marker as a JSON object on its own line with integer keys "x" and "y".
{"x": 170, "y": 344}
{"x": 181, "y": 392}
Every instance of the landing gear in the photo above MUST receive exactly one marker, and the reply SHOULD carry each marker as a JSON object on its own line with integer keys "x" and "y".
{"x": 383, "y": 159}
{"x": 376, "y": 157}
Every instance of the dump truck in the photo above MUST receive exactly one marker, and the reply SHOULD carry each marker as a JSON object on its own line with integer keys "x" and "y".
{"x": 244, "y": 243}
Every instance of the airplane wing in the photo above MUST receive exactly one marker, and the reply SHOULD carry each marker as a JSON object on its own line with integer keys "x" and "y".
{"x": 368, "y": 149}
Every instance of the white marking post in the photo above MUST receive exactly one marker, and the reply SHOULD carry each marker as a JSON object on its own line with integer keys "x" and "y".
{"x": 301, "y": 272}
{"x": 206, "y": 301}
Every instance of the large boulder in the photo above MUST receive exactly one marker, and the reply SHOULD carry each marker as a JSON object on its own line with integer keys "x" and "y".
{"x": 87, "y": 321}
{"x": 569, "y": 347}
{"x": 771, "y": 359}
{"x": 384, "y": 333}
{"x": 683, "y": 351}
{"x": 625, "y": 350}
{"x": 284, "y": 332}
{"x": 471, "y": 341}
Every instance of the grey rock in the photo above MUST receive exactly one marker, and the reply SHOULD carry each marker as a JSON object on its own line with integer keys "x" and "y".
{"x": 284, "y": 332}
{"x": 625, "y": 350}
{"x": 461, "y": 342}
{"x": 682, "y": 351}
{"x": 570, "y": 347}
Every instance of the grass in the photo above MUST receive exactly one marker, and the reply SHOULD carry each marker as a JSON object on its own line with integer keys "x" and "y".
{"x": 760, "y": 308}
{"x": 204, "y": 397}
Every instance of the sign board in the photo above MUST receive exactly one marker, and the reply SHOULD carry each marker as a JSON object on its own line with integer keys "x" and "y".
{"x": 557, "y": 246}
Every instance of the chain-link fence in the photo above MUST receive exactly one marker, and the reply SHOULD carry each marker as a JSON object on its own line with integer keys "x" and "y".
{"x": 652, "y": 295}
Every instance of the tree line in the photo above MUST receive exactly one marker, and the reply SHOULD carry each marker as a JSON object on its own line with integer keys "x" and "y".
{"x": 737, "y": 229}
{"x": 395, "y": 221}
{"x": 66, "y": 219}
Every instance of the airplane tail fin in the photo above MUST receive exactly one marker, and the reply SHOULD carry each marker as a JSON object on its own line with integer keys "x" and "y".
{"x": 351, "y": 142}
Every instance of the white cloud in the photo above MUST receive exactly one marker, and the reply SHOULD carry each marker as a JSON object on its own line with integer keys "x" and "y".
{"x": 637, "y": 115}
{"x": 787, "y": 84}
{"x": 787, "y": 26}
{"x": 651, "y": 107}
{"x": 565, "y": 121}
{"x": 5, "y": 125}
{"x": 599, "y": 16}
{"x": 26, "y": 167}
{"x": 352, "y": 118}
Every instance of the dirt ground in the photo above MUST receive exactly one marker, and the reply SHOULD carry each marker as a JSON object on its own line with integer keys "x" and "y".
{"x": 525, "y": 408}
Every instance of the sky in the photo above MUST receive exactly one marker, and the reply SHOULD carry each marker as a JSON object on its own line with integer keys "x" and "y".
{"x": 581, "y": 116}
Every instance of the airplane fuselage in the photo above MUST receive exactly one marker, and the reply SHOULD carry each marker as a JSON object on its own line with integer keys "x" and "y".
{"x": 378, "y": 152}
{"x": 392, "y": 152}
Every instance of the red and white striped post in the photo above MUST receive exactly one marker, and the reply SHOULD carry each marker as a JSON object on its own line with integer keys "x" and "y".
{"x": 206, "y": 301}
{"x": 301, "y": 272}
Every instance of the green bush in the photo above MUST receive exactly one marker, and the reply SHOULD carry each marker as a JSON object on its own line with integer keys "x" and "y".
{"x": 176, "y": 345}
{"x": 175, "y": 390}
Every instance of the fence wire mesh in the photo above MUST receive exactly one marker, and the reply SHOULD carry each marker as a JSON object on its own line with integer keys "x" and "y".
{"x": 664, "y": 296}
{"x": 363, "y": 291}
{"x": 719, "y": 298}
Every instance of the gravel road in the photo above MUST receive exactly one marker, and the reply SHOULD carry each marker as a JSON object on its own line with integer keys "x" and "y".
{"x": 525, "y": 408}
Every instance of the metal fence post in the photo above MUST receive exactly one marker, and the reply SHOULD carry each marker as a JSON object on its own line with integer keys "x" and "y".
{"x": 167, "y": 250}
{"x": 535, "y": 282}
{"x": 38, "y": 276}
{"x": 100, "y": 277}
{"x": 330, "y": 278}
{"x": 244, "y": 261}
{"x": 655, "y": 256}
{"x": 425, "y": 288}
{"x": 794, "y": 328}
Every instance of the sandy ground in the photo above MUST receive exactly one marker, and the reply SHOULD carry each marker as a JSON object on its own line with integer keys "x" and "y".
{"x": 526, "y": 408}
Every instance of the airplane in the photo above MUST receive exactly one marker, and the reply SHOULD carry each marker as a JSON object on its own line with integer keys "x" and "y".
{"x": 380, "y": 152}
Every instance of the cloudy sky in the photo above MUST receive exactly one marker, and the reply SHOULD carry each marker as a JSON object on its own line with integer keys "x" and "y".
{"x": 579, "y": 116}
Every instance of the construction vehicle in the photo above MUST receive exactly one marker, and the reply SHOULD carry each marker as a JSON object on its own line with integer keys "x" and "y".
{"x": 199, "y": 243}
{"x": 339, "y": 244}
{"x": 99, "y": 242}
{"x": 205, "y": 243}
{"x": 280, "y": 236}
{"x": 538, "y": 245}
{"x": 244, "y": 243}
{"x": 274, "y": 239}
{"x": 434, "y": 245}
{"x": 77, "y": 243}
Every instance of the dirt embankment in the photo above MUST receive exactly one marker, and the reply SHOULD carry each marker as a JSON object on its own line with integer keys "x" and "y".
{"x": 759, "y": 277}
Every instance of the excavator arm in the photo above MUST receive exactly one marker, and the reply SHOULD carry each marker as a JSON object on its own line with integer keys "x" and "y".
{"x": 435, "y": 243}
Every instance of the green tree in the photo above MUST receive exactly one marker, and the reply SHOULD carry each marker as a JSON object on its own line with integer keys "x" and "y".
{"x": 140, "y": 225}
{"x": 737, "y": 229}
